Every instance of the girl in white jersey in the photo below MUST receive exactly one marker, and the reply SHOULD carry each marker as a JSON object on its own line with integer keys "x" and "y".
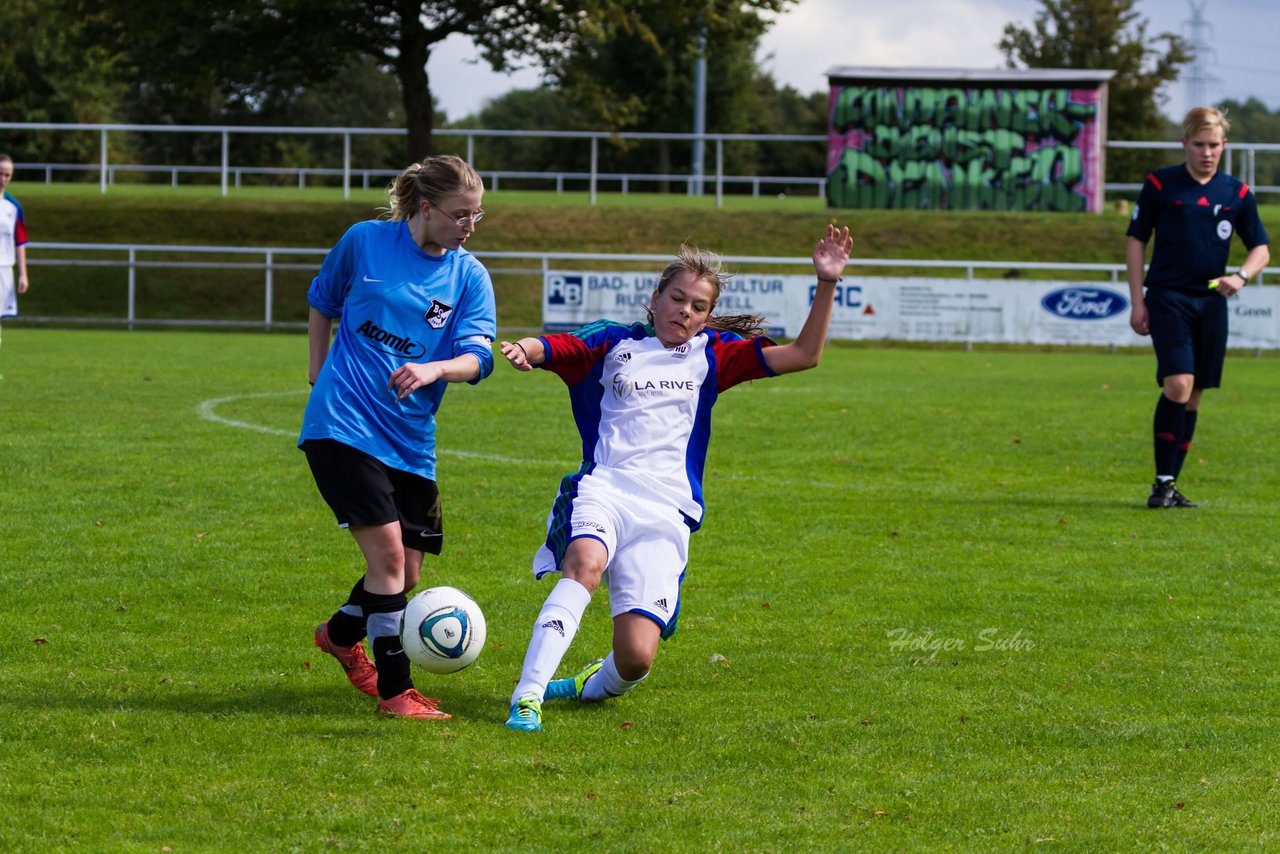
{"x": 642, "y": 397}
{"x": 415, "y": 311}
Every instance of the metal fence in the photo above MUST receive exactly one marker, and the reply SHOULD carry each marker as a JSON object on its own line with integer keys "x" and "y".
{"x": 133, "y": 259}
{"x": 230, "y": 176}
{"x": 1241, "y": 156}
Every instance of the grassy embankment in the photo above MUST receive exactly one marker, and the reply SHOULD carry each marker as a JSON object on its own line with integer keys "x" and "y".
{"x": 517, "y": 221}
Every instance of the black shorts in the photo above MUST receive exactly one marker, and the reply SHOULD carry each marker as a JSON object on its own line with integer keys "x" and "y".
{"x": 362, "y": 490}
{"x": 1189, "y": 333}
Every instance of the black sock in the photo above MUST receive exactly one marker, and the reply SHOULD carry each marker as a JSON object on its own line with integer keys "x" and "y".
{"x": 1169, "y": 422}
{"x": 1188, "y": 431}
{"x": 348, "y": 629}
{"x": 383, "y": 612}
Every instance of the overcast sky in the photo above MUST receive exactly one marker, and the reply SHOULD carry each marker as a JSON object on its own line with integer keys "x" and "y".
{"x": 817, "y": 35}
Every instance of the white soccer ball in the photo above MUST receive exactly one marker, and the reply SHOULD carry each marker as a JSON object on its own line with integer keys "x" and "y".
{"x": 442, "y": 630}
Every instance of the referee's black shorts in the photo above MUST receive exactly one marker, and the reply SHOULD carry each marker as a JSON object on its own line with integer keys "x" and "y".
{"x": 1189, "y": 333}
{"x": 362, "y": 490}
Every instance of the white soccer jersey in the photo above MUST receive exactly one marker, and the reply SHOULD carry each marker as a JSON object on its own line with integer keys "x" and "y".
{"x": 644, "y": 410}
{"x": 13, "y": 230}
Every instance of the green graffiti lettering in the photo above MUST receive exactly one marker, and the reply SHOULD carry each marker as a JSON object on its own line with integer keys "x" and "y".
{"x": 919, "y": 106}
{"x": 939, "y": 147}
{"x": 858, "y": 181}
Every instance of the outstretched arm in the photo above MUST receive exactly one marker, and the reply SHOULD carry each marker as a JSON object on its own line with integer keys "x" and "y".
{"x": 829, "y": 258}
{"x": 525, "y": 354}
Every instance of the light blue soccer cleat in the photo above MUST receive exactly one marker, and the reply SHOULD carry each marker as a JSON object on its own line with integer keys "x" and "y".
{"x": 571, "y": 688}
{"x": 526, "y": 715}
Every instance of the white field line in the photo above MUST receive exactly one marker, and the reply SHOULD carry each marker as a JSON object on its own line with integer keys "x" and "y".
{"x": 206, "y": 409}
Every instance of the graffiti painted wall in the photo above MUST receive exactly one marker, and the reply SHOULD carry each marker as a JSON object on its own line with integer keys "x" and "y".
{"x": 995, "y": 147}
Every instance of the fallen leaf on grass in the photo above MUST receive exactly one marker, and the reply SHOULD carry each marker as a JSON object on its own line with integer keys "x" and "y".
{"x": 626, "y": 725}
{"x": 39, "y": 641}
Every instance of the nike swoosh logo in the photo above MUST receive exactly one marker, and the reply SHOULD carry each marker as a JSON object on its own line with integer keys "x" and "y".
{"x": 367, "y": 279}
{"x": 395, "y": 652}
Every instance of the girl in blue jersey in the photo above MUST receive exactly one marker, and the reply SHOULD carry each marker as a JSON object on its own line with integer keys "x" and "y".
{"x": 1193, "y": 210}
{"x": 415, "y": 311}
{"x": 642, "y": 397}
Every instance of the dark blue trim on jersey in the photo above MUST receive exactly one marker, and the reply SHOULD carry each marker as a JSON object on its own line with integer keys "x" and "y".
{"x": 558, "y": 532}
{"x": 584, "y": 400}
{"x": 760, "y": 341}
{"x": 700, "y": 434}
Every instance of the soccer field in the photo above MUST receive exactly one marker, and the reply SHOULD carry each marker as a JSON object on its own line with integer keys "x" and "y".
{"x": 929, "y": 610}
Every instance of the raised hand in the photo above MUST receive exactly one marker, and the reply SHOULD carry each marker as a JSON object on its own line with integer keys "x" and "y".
{"x": 832, "y": 253}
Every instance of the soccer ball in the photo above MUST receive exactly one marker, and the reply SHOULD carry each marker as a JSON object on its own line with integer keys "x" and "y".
{"x": 442, "y": 630}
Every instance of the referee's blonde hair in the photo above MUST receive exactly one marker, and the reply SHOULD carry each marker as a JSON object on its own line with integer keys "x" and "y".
{"x": 1204, "y": 118}
{"x": 434, "y": 179}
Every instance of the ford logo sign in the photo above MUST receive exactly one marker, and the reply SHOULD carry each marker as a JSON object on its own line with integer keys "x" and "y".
{"x": 1083, "y": 303}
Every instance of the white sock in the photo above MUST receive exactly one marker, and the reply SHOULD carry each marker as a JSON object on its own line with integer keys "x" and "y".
{"x": 553, "y": 631}
{"x": 606, "y": 683}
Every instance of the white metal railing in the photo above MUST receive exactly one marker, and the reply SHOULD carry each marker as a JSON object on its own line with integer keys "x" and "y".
{"x": 365, "y": 177}
{"x": 104, "y": 166}
{"x": 230, "y": 175}
{"x": 133, "y": 258}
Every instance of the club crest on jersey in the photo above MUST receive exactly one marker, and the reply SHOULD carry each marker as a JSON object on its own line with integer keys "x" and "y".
{"x": 1224, "y": 229}
{"x": 680, "y": 351}
{"x": 622, "y": 386}
{"x": 438, "y": 314}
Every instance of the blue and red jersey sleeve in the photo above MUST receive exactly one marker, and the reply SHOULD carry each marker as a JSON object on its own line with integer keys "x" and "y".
{"x": 739, "y": 360}
{"x": 572, "y": 355}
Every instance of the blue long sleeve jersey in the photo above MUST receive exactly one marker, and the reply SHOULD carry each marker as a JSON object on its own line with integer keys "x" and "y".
{"x": 395, "y": 304}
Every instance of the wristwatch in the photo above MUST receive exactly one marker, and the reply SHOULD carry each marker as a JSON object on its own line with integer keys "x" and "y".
{"x": 1243, "y": 274}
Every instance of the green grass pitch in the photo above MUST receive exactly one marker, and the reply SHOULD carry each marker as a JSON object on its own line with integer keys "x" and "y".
{"x": 928, "y": 611}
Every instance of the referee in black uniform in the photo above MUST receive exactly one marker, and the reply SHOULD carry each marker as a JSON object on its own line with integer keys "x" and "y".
{"x": 1193, "y": 209}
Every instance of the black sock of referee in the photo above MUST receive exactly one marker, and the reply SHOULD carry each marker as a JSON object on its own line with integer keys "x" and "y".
{"x": 347, "y": 625}
{"x": 1188, "y": 431}
{"x": 383, "y": 611}
{"x": 1169, "y": 423}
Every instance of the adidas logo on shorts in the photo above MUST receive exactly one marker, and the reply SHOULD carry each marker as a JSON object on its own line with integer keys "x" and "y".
{"x": 554, "y": 624}
{"x": 661, "y": 604}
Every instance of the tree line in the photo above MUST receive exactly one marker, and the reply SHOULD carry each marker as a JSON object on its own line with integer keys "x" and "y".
{"x": 612, "y": 65}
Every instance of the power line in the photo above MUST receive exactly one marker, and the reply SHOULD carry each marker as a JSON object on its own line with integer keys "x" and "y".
{"x": 1199, "y": 32}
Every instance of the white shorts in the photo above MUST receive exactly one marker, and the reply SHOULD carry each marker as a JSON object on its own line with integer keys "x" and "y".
{"x": 647, "y": 541}
{"x": 8, "y": 293}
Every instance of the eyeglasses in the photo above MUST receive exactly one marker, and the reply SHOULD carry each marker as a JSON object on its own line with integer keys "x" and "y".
{"x": 461, "y": 221}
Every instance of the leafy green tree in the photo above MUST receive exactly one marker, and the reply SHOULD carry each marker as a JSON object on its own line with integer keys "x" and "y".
{"x": 1105, "y": 34}
{"x": 777, "y": 110}
{"x": 635, "y": 71}
{"x": 1252, "y": 121}
{"x": 51, "y": 70}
